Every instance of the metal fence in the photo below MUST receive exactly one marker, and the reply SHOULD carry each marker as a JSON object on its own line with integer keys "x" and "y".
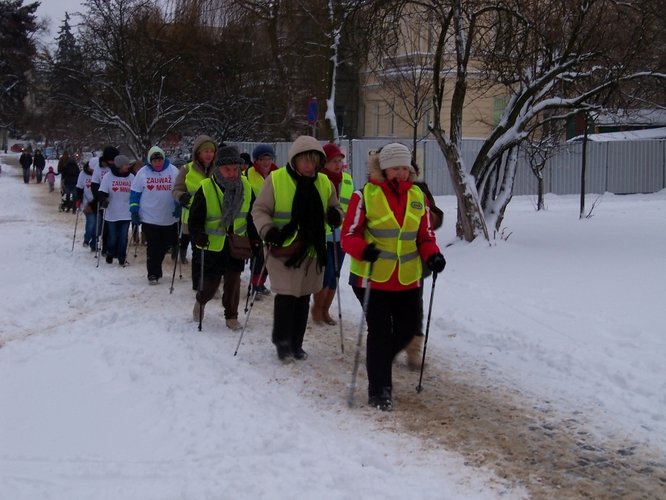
{"x": 619, "y": 167}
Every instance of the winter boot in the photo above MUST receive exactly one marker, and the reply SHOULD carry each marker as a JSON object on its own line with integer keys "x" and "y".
{"x": 381, "y": 399}
{"x": 198, "y": 311}
{"x": 233, "y": 324}
{"x": 316, "y": 311}
{"x": 328, "y": 300}
{"x": 414, "y": 352}
{"x": 183, "y": 255}
{"x": 284, "y": 352}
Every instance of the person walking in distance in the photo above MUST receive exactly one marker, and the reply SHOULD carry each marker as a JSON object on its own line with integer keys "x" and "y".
{"x": 39, "y": 163}
{"x": 264, "y": 164}
{"x": 188, "y": 181}
{"x": 219, "y": 209}
{"x": 84, "y": 201}
{"x": 152, "y": 205}
{"x": 25, "y": 161}
{"x": 344, "y": 187}
{"x": 291, "y": 213}
{"x": 387, "y": 232}
{"x": 101, "y": 167}
{"x": 113, "y": 196}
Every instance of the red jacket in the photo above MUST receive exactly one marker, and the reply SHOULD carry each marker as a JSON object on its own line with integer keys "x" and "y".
{"x": 353, "y": 226}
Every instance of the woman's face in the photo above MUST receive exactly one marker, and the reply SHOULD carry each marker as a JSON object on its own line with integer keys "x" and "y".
{"x": 157, "y": 162}
{"x": 399, "y": 173}
{"x": 335, "y": 165}
{"x": 206, "y": 156}
{"x": 306, "y": 165}
{"x": 263, "y": 163}
{"x": 229, "y": 172}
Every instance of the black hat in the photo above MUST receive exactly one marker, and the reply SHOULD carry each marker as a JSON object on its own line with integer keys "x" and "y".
{"x": 109, "y": 154}
{"x": 228, "y": 155}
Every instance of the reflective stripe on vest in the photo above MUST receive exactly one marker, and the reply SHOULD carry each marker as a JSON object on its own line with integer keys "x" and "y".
{"x": 217, "y": 234}
{"x": 193, "y": 180}
{"x": 397, "y": 245}
{"x": 284, "y": 189}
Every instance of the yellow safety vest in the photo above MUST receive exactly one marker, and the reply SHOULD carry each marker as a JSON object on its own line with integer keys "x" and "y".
{"x": 217, "y": 234}
{"x": 193, "y": 180}
{"x": 346, "y": 190}
{"x": 397, "y": 244}
{"x": 256, "y": 180}
{"x": 284, "y": 188}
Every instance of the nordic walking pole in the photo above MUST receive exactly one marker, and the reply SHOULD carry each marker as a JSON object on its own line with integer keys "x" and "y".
{"x": 254, "y": 295}
{"x": 99, "y": 247}
{"x": 97, "y": 233}
{"x": 359, "y": 339}
{"x": 135, "y": 237}
{"x": 201, "y": 279}
{"x": 337, "y": 287}
{"x": 419, "y": 387}
{"x": 253, "y": 262}
{"x": 175, "y": 262}
{"x": 76, "y": 223}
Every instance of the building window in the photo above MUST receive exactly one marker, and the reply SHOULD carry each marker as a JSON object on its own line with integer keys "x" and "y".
{"x": 499, "y": 105}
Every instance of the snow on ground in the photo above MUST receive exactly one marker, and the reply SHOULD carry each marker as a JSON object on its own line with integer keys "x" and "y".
{"x": 108, "y": 390}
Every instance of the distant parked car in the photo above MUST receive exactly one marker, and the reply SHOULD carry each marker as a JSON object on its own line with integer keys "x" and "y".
{"x": 17, "y": 147}
{"x": 50, "y": 153}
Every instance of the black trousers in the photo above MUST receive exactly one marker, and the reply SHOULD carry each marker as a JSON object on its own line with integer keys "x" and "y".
{"x": 158, "y": 240}
{"x": 393, "y": 319}
{"x": 290, "y": 318}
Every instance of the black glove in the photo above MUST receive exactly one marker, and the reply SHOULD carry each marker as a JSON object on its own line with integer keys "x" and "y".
{"x": 436, "y": 262}
{"x": 370, "y": 253}
{"x": 333, "y": 217}
{"x": 184, "y": 200}
{"x": 274, "y": 237}
{"x": 201, "y": 240}
{"x": 104, "y": 202}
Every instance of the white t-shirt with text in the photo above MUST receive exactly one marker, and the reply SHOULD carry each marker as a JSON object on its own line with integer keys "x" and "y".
{"x": 119, "y": 192}
{"x": 156, "y": 205}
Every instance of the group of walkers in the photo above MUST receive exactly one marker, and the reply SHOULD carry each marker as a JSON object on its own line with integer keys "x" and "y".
{"x": 293, "y": 224}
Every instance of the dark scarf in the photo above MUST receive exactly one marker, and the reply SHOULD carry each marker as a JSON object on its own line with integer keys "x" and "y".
{"x": 233, "y": 197}
{"x": 307, "y": 217}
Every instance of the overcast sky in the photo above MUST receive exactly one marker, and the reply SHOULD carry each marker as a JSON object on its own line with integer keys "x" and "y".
{"x": 55, "y": 10}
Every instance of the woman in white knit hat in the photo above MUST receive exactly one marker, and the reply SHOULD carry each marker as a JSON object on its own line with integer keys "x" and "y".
{"x": 388, "y": 233}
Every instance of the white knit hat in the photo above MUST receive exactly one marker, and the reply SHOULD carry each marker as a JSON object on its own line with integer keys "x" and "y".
{"x": 395, "y": 155}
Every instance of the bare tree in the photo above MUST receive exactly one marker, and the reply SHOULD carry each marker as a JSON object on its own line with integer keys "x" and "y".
{"x": 129, "y": 82}
{"x": 549, "y": 60}
{"x": 539, "y": 147}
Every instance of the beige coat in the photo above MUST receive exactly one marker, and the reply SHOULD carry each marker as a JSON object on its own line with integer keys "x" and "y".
{"x": 307, "y": 278}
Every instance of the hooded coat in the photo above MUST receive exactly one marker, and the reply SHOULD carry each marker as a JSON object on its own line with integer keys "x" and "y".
{"x": 180, "y": 188}
{"x": 353, "y": 227}
{"x": 308, "y": 277}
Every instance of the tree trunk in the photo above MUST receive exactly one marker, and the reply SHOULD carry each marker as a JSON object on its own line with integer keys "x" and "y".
{"x": 541, "y": 205}
{"x": 471, "y": 222}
